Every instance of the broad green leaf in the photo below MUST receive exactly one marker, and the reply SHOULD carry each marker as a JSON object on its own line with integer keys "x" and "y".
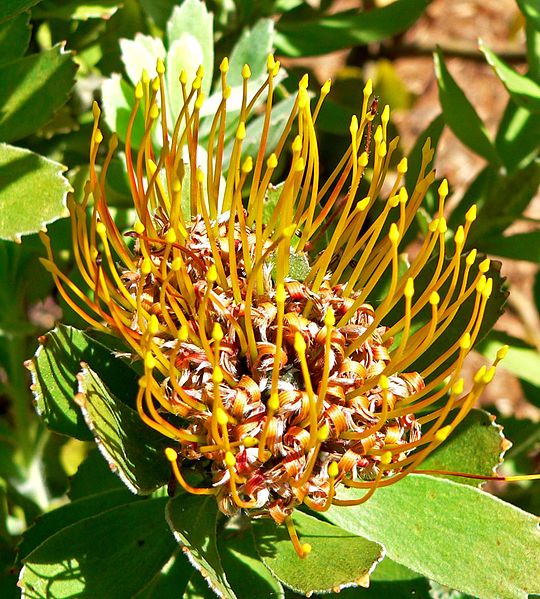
{"x": 474, "y": 194}
{"x": 252, "y": 48}
{"x": 14, "y": 37}
{"x": 141, "y": 53}
{"x": 11, "y": 8}
{"x": 32, "y": 89}
{"x": 338, "y": 559}
{"x": 33, "y": 192}
{"x": 246, "y": 573}
{"x": 460, "y": 115}
{"x": 93, "y": 477}
{"x": 521, "y": 246}
{"x": 192, "y": 20}
{"x": 132, "y": 449}
{"x": 171, "y": 581}
{"x": 77, "y": 10}
{"x": 54, "y": 521}
{"x": 523, "y": 90}
{"x": 521, "y": 359}
{"x": 436, "y": 526}
{"x": 346, "y": 29}
{"x": 517, "y": 137}
{"x": 476, "y": 446}
{"x": 54, "y": 371}
{"x": 118, "y": 101}
{"x": 113, "y": 554}
{"x": 192, "y": 519}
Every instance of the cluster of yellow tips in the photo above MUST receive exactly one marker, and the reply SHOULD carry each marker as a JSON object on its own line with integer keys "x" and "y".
{"x": 275, "y": 391}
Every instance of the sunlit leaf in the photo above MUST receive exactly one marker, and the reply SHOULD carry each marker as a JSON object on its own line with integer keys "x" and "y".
{"x": 524, "y": 91}
{"x": 252, "y": 48}
{"x": 474, "y": 447}
{"x": 132, "y": 449}
{"x": 90, "y": 558}
{"x": 435, "y": 526}
{"x": 141, "y": 53}
{"x": 76, "y": 10}
{"x": 337, "y": 560}
{"x": 54, "y": 377}
{"x": 193, "y": 520}
{"x": 33, "y": 192}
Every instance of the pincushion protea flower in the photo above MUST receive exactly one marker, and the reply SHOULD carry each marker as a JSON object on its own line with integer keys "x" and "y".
{"x": 276, "y": 391}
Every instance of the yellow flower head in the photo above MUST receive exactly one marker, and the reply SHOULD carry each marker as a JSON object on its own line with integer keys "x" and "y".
{"x": 273, "y": 377}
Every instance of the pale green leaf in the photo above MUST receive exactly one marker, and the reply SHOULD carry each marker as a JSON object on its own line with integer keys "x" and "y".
{"x": 141, "y": 53}
{"x": 32, "y": 89}
{"x": 252, "y": 48}
{"x": 132, "y": 449}
{"x": 113, "y": 554}
{"x": 118, "y": 101}
{"x": 193, "y": 19}
{"x": 192, "y": 518}
{"x": 454, "y": 534}
{"x": 32, "y": 192}
{"x": 338, "y": 558}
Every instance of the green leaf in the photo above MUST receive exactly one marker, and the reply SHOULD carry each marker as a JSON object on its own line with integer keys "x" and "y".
{"x": 523, "y": 90}
{"x": 531, "y": 10}
{"x": 337, "y": 560}
{"x": 460, "y": 115}
{"x": 52, "y": 522}
{"x": 521, "y": 246}
{"x": 93, "y": 477}
{"x": 252, "y": 48}
{"x": 504, "y": 201}
{"x": 390, "y": 579}
{"x": 192, "y": 518}
{"x": 118, "y": 102}
{"x": 132, "y": 449}
{"x": 346, "y": 29}
{"x": 533, "y": 49}
{"x": 158, "y": 10}
{"x": 54, "y": 376}
{"x": 77, "y": 10}
{"x": 170, "y": 582}
{"x": 32, "y": 89}
{"x": 11, "y": 8}
{"x": 191, "y": 22}
{"x": 474, "y": 447}
{"x": 517, "y": 137}
{"x": 113, "y": 554}
{"x": 521, "y": 359}
{"x": 436, "y": 526}
{"x": 246, "y": 573}
{"x": 32, "y": 192}
{"x": 14, "y": 38}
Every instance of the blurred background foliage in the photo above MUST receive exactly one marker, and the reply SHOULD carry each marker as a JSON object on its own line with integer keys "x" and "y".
{"x": 478, "y": 101}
